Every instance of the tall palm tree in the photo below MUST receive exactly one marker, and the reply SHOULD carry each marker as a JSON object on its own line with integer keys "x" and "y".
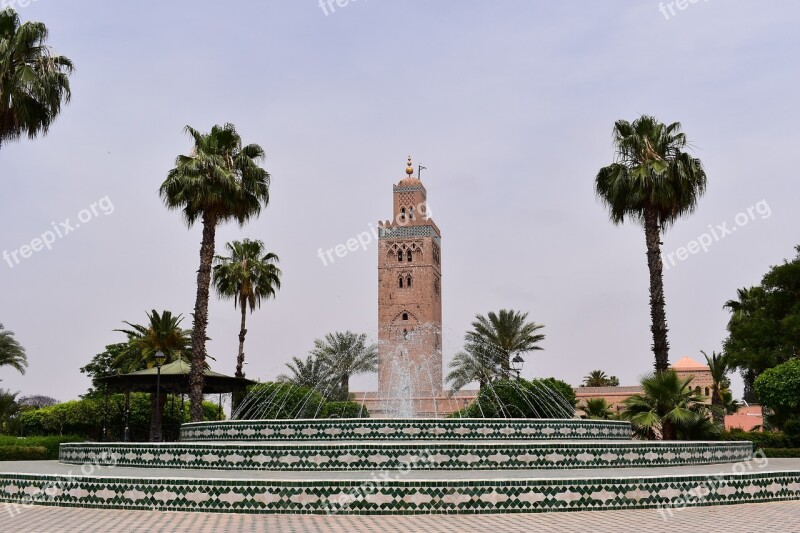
{"x": 34, "y": 82}
{"x": 218, "y": 182}
{"x": 505, "y": 334}
{"x": 652, "y": 182}
{"x": 667, "y": 404}
{"x": 748, "y": 300}
{"x": 472, "y": 364}
{"x": 345, "y": 355}
{"x": 11, "y": 352}
{"x": 719, "y": 365}
{"x": 247, "y": 275}
{"x": 163, "y": 334}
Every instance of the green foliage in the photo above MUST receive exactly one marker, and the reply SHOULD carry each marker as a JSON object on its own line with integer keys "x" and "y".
{"x": 545, "y": 398}
{"x": 344, "y": 355}
{"x": 669, "y": 408}
{"x": 761, "y": 439}
{"x": 11, "y": 351}
{"x": 775, "y": 453}
{"x": 343, "y": 410}
{"x": 779, "y": 389}
{"x": 34, "y": 82}
{"x": 23, "y": 453}
{"x": 88, "y": 417}
{"x": 50, "y": 444}
{"x": 597, "y": 409}
{"x": 764, "y": 328}
{"x": 598, "y": 378}
{"x": 281, "y": 401}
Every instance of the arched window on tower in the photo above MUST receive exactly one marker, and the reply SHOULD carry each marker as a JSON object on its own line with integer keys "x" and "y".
{"x": 707, "y": 391}
{"x": 408, "y": 281}
{"x": 400, "y": 255}
{"x": 403, "y": 214}
{"x": 400, "y": 282}
{"x": 405, "y": 316}
{"x": 411, "y": 213}
{"x": 405, "y": 334}
{"x": 409, "y": 256}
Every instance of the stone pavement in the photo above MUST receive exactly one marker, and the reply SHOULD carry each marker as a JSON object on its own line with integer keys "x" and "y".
{"x": 777, "y": 517}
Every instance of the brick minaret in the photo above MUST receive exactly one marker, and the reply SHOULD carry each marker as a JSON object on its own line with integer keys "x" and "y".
{"x": 410, "y": 296}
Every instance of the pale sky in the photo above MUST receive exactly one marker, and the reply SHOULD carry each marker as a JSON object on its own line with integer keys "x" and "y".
{"x": 510, "y": 106}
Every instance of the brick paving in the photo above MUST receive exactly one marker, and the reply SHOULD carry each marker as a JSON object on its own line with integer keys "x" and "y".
{"x": 777, "y": 517}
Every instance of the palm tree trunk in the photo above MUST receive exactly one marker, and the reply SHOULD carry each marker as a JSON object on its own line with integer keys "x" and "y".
{"x": 196, "y": 378}
{"x": 238, "y": 395}
{"x": 652, "y": 231}
{"x": 717, "y": 409}
{"x": 345, "y": 388}
{"x": 242, "y": 333}
{"x": 667, "y": 430}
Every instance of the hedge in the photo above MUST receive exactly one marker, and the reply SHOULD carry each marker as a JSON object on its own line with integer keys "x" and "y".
{"x": 781, "y": 452}
{"x": 50, "y": 443}
{"x": 23, "y": 453}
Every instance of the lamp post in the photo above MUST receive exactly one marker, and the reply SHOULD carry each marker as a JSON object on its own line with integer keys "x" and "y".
{"x": 160, "y": 358}
{"x": 516, "y": 364}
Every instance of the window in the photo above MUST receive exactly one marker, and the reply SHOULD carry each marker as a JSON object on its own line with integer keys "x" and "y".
{"x": 400, "y": 255}
{"x": 408, "y": 281}
{"x": 707, "y": 391}
{"x": 405, "y": 334}
{"x": 411, "y": 213}
{"x": 402, "y": 214}
{"x": 409, "y": 256}
{"x": 436, "y": 286}
{"x": 405, "y": 316}
{"x": 400, "y": 282}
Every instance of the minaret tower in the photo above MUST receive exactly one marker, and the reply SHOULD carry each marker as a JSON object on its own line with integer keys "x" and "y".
{"x": 410, "y": 296}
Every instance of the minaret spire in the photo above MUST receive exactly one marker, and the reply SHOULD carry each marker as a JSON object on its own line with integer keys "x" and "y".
{"x": 410, "y": 168}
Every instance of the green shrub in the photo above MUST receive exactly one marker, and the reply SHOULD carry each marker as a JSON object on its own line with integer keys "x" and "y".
{"x": 760, "y": 439}
{"x": 281, "y": 401}
{"x": 50, "y": 444}
{"x": 779, "y": 389}
{"x": 343, "y": 410}
{"x": 781, "y": 452}
{"x": 544, "y": 398}
{"x": 23, "y": 453}
{"x": 88, "y": 417}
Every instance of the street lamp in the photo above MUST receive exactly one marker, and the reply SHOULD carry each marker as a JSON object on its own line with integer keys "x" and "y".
{"x": 516, "y": 364}
{"x": 160, "y": 359}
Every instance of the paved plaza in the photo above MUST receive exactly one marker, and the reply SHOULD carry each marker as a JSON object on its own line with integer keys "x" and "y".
{"x": 778, "y": 517}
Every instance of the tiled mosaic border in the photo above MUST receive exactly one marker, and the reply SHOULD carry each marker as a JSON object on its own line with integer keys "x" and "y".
{"x": 399, "y": 497}
{"x": 410, "y": 455}
{"x": 406, "y": 429}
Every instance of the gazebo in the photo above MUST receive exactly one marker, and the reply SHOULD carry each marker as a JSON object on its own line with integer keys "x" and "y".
{"x": 173, "y": 378}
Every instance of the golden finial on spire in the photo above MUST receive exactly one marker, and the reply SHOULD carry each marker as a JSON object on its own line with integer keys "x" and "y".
{"x": 410, "y": 168}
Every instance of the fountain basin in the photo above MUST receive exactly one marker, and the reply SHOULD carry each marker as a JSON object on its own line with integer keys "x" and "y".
{"x": 398, "y": 429}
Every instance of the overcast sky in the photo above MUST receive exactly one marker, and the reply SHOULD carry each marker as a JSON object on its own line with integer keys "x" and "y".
{"x": 510, "y": 106}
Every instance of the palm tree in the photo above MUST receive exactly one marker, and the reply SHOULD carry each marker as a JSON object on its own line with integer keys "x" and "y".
{"x": 597, "y": 409}
{"x": 719, "y": 365}
{"x": 11, "y": 352}
{"x": 505, "y": 335}
{"x": 653, "y": 182}
{"x": 345, "y": 355}
{"x": 34, "y": 82}
{"x": 162, "y": 334}
{"x": 472, "y": 364}
{"x": 218, "y": 182}
{"x": 310, "y": 373}
{"x": 668, "y": 403}
{"x": 247, "y": 275}
{"x": 598, "y": 378}
{"x": 748, "y": 301}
